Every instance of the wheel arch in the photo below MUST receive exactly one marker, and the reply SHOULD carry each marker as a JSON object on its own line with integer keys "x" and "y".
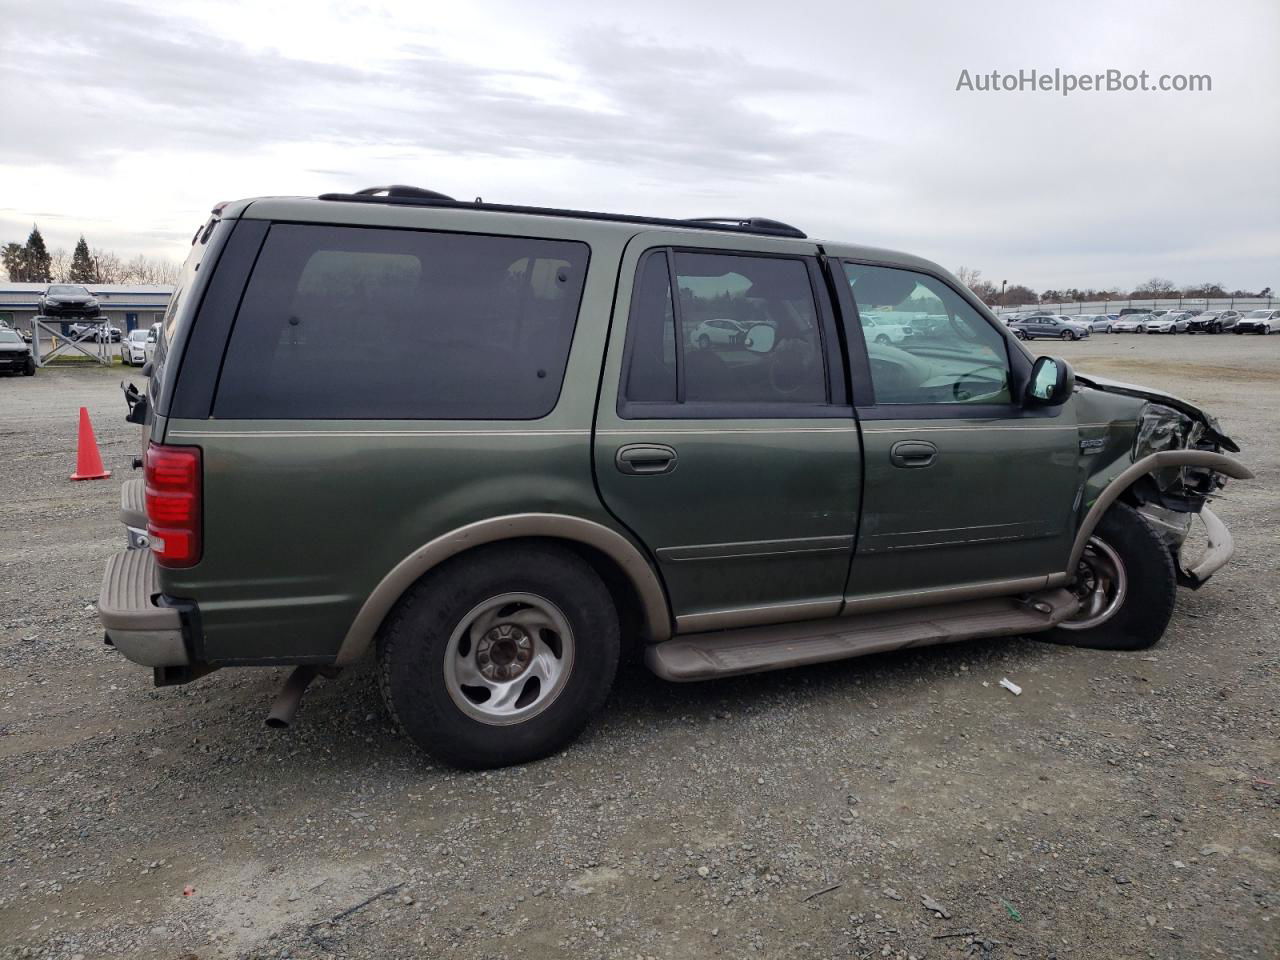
{"x": 625, "y": 569}
{"x": 1130, "y": 475}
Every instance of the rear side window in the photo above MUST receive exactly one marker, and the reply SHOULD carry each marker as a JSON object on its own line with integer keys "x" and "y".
{"x": 349, "y": 323}
{"x": 734, "y": 330}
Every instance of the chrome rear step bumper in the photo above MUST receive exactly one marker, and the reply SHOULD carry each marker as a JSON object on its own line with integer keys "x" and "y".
{"x": 730, "y": 653}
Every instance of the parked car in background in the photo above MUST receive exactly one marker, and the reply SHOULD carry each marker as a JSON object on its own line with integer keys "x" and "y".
{"x": 100, "y": 332}
{"x": 1169, "y": 323}
{"x": 721, "y": 332}
{"x": 1097, "y": 322}
{"x": 1131, "y": 323}
{"x": 1059, "y": 328}
{"x": 879, "y": 330}
{"x": 68, "y": 300}
{"x": 15, "y": 355}
{"x": 1258, "y": 321}
{"x": 1213, "y": 321}
{"x": 139, "y": 346}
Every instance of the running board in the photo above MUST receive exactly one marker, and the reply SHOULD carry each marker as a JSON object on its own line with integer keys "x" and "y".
{"x": 728, "y": 653}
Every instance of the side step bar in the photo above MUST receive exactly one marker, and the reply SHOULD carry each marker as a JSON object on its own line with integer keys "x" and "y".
{"x": 728, "y": 653}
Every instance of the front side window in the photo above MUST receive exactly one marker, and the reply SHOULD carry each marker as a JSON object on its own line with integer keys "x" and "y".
{"x": 360, "y": 323}
{"x": 953, "y": 354}
{"x": 732, "y": 329}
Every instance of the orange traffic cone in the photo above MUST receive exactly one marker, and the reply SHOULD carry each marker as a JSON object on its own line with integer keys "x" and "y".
{"x": 88, "y": 460}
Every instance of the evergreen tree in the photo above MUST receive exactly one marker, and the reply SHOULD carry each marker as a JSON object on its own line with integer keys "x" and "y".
{"x": 38, "y": 262}
{"x": 14, "y": 257}
{"x": 82, "y": 265}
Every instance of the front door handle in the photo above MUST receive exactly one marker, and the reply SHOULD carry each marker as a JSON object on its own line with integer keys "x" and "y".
{"x": 645, "y": 459}
{"x": 912, "y": 453}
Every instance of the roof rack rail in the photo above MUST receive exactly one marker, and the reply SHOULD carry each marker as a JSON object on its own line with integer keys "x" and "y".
{"x": 397, "y": 190}
{"x": 416, "y": 196}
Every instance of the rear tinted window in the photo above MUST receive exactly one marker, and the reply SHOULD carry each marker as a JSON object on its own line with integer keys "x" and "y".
{"x": 356, "y": 323}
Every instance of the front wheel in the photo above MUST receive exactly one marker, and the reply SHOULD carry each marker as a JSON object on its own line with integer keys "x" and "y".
{"x": 704, "y": 341}
{"x": 1126, "y": 585}
{"x": 30, "y": 369}
{"x": 500, "y": 657}
{"x": 1019, "y": 334}
{"x": 1067, "y": 335}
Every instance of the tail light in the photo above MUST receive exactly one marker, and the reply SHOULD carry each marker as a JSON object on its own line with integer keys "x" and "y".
{"x": 173, "y": 479}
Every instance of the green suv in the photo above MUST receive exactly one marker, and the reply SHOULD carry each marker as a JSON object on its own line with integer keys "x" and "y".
{"x": 482, "y": 444}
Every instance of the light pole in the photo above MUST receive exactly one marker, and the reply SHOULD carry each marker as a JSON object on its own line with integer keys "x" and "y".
{"x": 1002, "y": 283}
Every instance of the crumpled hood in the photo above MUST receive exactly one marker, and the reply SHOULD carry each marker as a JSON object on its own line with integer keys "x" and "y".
{"x": 1212, "y": 430}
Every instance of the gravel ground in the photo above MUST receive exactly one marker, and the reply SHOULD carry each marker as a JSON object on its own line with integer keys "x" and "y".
{"x": 903, "y": 805}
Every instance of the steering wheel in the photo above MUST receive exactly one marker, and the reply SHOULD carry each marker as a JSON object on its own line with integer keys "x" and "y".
{"x": 957, "y": 389}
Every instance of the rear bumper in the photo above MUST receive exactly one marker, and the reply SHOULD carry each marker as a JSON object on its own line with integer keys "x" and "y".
{"x": 137, "y": 621}
{"x": 133, "y": 512}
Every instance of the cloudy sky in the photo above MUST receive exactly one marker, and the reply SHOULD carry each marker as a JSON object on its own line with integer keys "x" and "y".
{"x": 126, "y": 121}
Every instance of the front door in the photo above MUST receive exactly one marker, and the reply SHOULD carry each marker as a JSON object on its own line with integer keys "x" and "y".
{"x": 966, "y": 491}
{"x": 734, "y": 458}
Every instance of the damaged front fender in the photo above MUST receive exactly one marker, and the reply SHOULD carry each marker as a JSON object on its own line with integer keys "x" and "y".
{"x": 1205, "y": 461}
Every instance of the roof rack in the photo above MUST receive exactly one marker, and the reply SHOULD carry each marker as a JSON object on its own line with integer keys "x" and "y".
{"x": 416, "y": 196}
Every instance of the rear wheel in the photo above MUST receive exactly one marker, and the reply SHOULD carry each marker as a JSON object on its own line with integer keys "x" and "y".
{"x": 882, "y": 338}
{"x": 704, "y": 341}
{"x": 1126, "y": 585}
{"x": 500, "y": 657}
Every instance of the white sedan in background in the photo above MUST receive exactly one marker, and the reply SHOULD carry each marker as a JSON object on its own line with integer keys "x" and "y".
{"x": 1258, "y": 321}
{"x": 1131, "y": 323}
{"x": 719, "y": 331}
{"x": 1169, "y": 323}
{"x": 139, "y": 346}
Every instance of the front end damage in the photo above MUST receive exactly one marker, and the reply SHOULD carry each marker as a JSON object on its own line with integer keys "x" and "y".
{"x": 1172, "y": 497}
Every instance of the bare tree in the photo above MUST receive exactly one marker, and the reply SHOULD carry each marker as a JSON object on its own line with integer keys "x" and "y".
{"x": 59, "y": 265}
{"x": 968, "y": 277}
{"x": 106, "y": 267}
{"x": 1155, "y": 288}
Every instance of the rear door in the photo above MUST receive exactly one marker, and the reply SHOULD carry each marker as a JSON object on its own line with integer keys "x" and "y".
{"x": 966, "y": 491}
{"x": 737, "y": 464}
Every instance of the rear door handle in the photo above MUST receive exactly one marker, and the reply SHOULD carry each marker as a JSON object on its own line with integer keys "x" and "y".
{"x": 912, "y": 453}
{"x": 646, "y": 459}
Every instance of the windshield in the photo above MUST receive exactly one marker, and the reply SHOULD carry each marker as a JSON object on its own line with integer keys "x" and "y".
{"x": 1258, "y": 314}
{"x": 8, "y": 336}
{"x": 137, "y": 335}
{"x": 68, "y": 288}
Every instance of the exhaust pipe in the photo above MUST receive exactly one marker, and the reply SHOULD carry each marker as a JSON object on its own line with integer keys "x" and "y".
{"x": 286, "y": 702}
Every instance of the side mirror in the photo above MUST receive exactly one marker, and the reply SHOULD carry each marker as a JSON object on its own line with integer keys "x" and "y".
{"x": 1052, "y": 381}
{"x": 146, "y": 368}
{"x": 760, "y": 338}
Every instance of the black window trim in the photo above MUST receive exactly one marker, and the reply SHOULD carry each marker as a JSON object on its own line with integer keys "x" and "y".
{"x": 227, "y": 326}
{"x": 836, "y": 406}
{"x": 860, "y": 364}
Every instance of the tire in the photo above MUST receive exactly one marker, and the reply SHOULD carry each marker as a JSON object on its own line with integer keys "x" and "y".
{"x": 1019, "y": 334}
{"x": 1150, "y": 586}
{"x": 30, "y": 369}
{"x": 424, "y": 634}
{"x": 1110, "y": 329}
{"x": 1067, "y": 335}
{"x": 1215, "y": 328}
{"x": 704, "y": 342}
{"x": 883, "y": 339}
